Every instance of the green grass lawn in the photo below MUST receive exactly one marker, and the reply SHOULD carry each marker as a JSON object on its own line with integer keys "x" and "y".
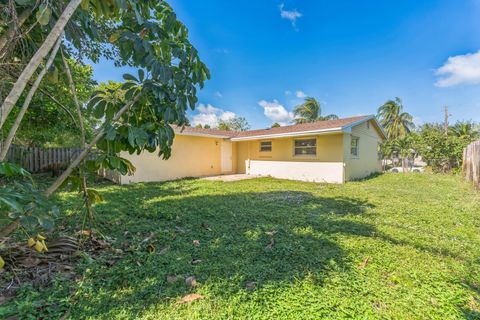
{"x": 391, "y": 247}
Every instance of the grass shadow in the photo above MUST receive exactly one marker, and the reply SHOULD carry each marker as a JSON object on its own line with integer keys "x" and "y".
{"x": 269, "y": 238}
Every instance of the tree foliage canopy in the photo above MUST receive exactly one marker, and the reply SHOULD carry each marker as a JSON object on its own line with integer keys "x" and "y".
{"x": 310, "y": 111}
{"x": 234, "y": 124}
{"x": 394, "y": 120}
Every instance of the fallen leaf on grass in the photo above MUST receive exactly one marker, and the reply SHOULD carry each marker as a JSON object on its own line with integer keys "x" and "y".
{"x": 250, "y": 286}
{"x": 206, "y": 226}
{"x": 164, "y": 250}
{"x": 151, "y": 248}
{"x": 196, "y": 261}
{"x": 196, "y": 243}
{"x": 270, "y": 245}
{"x": 364, "y": 263}
{"x": 30, "y": 262}
{"x": 190, "y": 297}
{"x": 191, "y": 281}
{"x": 149, "y": 237}
{"x": 85, "y": 232}
{"x": 171, "y": 279}
{"x": 179, "y": 229}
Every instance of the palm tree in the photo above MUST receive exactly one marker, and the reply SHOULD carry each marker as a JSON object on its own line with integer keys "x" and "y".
{"x": 465, "y": 129}
{"x": 404, "y": 148}
{"x": 310, "y": 111}
{"x": 396, "y": 123}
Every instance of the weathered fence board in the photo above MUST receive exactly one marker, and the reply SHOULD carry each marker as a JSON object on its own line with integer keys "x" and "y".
{"x": 38, "y": 160}
{"x": 471, "y": 163}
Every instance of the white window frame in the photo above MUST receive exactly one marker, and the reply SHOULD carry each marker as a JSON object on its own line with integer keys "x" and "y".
{"x": 355, "y": 155}
{"x": 304, "y": 147}
{"x": 266, "y": 141}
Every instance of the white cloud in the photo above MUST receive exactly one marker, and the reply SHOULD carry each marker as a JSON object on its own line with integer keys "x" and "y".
{"x": 276, "y": 112}
{"x": 218, "y": 94}
{"x": 288, "y": 92}
{"x": 461, "y": 69}
{"x": 291, "y": 15}
{"x": 210, "y": 115}
{"x": 300, "y": 94}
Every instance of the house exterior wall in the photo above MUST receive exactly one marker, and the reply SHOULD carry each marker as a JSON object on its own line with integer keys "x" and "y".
{"x": 329, "y": 149}
{"x": 367, "y": 162}
{"x": 192, "y": 156}
{"x": 325, "y": 166}
{"x": 312, "y": 171}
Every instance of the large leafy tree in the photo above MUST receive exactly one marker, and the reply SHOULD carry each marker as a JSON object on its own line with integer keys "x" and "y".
{"x": 145, "y": 35}
{"x": 443, "y": 152}
{"x": 310, "y": 111}
{"x": 394, "y": 120}
{"x": 234, "y": 124}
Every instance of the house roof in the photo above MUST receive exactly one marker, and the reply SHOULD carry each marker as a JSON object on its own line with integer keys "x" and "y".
{"x": 204, "y": 132}
{"x": 323, "y": 126}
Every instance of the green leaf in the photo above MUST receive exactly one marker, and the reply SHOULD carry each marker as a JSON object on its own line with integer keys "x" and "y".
{"x": 110, "y": 133}
{"x": 141, "y": 74}
{"x": 43, "y": 14}
{"x": 99, "y": 110}
{"x": 24, "y": 2}
{"x": 85, "y": 4}
{"x": 12, "y": 204}
{"x": 94, "y": 196}
{"x": 129, "y": 77}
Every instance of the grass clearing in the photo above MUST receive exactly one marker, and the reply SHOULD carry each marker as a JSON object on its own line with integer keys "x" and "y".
{"x": 392, "y": 247}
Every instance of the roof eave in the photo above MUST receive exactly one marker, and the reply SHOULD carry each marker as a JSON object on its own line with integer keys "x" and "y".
{"x": 289, "y": 134}
{"x": 348, "y": 127}
{"x": 206, "y": 135}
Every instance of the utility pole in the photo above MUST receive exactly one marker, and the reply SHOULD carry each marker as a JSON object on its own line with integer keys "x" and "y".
{"x": 446, "y": 120}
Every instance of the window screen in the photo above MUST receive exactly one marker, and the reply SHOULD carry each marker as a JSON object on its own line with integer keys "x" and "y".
{"x": 265, "y": 146}
{"x": 354, "y": 146}
{"x": 305, "y": 147}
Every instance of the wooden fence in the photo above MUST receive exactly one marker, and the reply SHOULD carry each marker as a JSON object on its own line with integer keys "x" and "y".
{"x": 471, "y": 163}
{"x": 38, "y": 160}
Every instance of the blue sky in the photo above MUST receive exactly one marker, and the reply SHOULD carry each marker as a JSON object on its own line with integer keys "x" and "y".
{"x": 266, "y": 55}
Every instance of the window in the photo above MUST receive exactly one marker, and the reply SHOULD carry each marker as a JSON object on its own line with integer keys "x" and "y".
{"x": 305, "y": 147}
{"x": 265, "y": 146}
{"x": 354, "y": 151}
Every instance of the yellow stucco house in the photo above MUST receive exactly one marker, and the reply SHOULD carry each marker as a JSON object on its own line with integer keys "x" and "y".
{"x": 332, "y": 151}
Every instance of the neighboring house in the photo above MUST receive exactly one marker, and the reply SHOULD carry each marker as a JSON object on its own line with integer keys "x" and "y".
{"x": 331, "y": 151}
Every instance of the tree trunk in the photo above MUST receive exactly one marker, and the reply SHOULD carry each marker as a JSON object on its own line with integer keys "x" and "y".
{"x": 75, "y": 98}
{"x": 8, "y": 36}
{"x": 88, "y": 202}
{"x": 28, "y": 99}
{"x": 37, "y": 58}
{"x": 57, "y": 183}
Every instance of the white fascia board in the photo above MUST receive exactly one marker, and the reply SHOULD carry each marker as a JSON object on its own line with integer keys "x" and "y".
{"x": 201, "y": 135}
{"x": 289, "y": 134}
